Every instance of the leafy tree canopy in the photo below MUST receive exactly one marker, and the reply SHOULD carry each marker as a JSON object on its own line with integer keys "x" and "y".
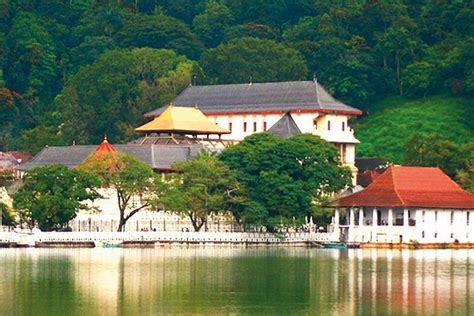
{"x": 134, "y": 182}
{"x": 30, "y": 60}
{"x": 250, "y": 59}
{"x": 211, "y": 25}
{"x": 434, "y": 151}
{"x": 201, "y": 186}
{"x": 113, "y": 93}
{"x": 285, "y": 176}
{"x": 51, "y": 196}
{"x": 159, "y": 31}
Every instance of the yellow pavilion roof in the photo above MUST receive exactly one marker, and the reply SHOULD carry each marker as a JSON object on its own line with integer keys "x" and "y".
{"x": 178, "y": 119}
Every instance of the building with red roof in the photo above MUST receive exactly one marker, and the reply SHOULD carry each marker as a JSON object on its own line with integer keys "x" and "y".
{"x": 407, "y": 204}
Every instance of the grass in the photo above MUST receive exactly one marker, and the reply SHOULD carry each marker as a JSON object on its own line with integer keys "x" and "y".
{"x": 388, "y": 125}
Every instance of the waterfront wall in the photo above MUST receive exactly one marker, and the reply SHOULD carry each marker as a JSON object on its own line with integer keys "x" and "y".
{"x": 164, "y": 237}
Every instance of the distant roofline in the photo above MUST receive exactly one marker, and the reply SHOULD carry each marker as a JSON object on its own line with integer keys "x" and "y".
{"x": 267, "y": 112}
{"x": 351, "y": 111}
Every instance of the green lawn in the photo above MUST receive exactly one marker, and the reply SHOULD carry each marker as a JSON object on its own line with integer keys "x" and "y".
{"x": 389, "y": 124}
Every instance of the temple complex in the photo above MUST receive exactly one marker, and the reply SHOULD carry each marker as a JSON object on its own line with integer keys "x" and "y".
{"x": 304, "y": 106}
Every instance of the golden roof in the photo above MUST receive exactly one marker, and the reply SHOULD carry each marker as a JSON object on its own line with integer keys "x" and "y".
{"x": 178, "y": 119}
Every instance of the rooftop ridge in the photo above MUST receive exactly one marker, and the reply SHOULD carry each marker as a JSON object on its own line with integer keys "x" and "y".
{"x": 391, "y": 168}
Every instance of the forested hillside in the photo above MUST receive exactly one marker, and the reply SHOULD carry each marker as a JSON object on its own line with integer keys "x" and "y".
{"x": 74, "y": 70}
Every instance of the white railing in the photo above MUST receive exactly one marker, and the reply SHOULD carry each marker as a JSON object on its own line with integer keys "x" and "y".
{"x": 166, "y": 237}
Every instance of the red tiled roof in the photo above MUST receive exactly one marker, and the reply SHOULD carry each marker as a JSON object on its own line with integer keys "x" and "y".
{"x": 105, "y": 147}
{"x": 411, "y": 187}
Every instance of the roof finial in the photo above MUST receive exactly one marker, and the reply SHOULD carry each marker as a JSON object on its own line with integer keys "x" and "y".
{"x": 196, "y": 106}
{"x": 250, "y": 82}
{"x": 105, "y": 138}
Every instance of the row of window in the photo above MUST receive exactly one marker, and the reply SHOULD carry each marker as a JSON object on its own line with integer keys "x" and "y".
{"x": 245, "y": 126}
{"x": 254, "y": 126}
{"x": 452, "y": 217}
{"x": 329, "y": 125}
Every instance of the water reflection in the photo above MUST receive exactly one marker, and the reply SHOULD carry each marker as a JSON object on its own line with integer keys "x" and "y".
{"x": 234, "y": 280}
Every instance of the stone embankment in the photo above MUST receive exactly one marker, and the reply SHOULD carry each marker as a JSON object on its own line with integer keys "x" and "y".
{"x": 152, "y": 239}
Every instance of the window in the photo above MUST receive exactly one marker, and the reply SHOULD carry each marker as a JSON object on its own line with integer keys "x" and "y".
{"x": 264, "y": 126}
{"x": 343, "y": 126}
{"x": 436, "y": 235}
{"x": 452, "y": 218}
{"x": 245, "y": 126}
{"x": 423, "y": 234}
{"x": 452, "y": 235}
{"x": 254, "y": 126}
{"x": 467, "y": 218}
{"x": 329, "y": 125}
{"x": 230, "y": 126}
{"x": 436, "y": 216}
{"x": 343, "y": 152}
{"x": 423, "y": 216}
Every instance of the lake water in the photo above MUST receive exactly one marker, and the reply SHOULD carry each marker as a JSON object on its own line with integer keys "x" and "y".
{"x": 235, "y": 281}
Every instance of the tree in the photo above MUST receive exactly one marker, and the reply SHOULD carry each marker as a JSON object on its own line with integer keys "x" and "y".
{"x": 200, "y": 187}
{"x": 159, "y": 31}
{"x": 30, "y": 62}
{"x": 286, "y": 176}
{"x": 6, "y": 216}
{"x": 115, "y": 91}
{"x": 211, "y": 25}
{"x": 434, "y": 151}
{"x": 52, "y": 195}
{"x": 16, "y": 114}
{"x": 250, "y": 59}
{"x": 134, "y": 182}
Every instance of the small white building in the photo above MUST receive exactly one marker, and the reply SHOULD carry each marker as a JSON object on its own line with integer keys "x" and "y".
{"x": 245, "y": 109}
{"x": 407, "y": 204}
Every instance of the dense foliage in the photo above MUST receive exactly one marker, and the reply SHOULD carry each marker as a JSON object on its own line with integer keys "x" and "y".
{"x": 75, "y": 70}
{"x": 201, "y": 187}
{"x": 51, "y": 196}
{"x": 134, "y": 182}
{"x": 285, "y": 178}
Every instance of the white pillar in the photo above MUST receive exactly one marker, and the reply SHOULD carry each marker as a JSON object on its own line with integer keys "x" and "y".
{"x": 405, "y": 217}
{"x": 390, "y": 225}
{"x": 374, "y": 225}
{"x": 351, "y": 225}
{"x": 361, "y": 225}
{"x": 405, "y": 226}
{"x": 336, "y": 224}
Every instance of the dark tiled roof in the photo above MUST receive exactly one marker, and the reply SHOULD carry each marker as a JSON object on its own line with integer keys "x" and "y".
{"x": 260, "y": 97}
{"x": 285, "y": 127}
{"x": 364, "y": 164}
{"x": 159, "y": 157}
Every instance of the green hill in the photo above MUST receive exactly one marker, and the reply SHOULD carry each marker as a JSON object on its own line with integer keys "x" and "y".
{"x": 389, "y": 124}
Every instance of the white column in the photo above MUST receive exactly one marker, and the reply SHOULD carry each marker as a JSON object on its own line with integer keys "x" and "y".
{"x": 374, "y": 225}
{"x": 405, "y": 226}
{"x": 390, "y": 225}
{"x": 351, "y": 225}
{"x": 336, "y": 224}
{"x": 361, "y": 225}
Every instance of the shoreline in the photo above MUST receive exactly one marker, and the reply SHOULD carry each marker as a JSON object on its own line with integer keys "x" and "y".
{"x": 174, "y": 243}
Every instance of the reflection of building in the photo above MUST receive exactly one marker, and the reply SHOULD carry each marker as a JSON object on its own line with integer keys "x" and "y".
{"x": 245, "y": 109}
{"x": 407, "y": 204}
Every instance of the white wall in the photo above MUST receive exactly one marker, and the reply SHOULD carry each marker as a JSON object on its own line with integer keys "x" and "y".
{"x": 313, "y": 123}
{"x": 432, "y": 226}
